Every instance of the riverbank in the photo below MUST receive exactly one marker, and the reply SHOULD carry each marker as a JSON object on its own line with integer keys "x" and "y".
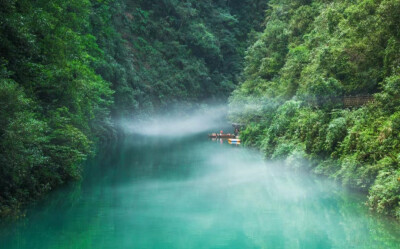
{"x": 296, "y": 94}
{"x": 357, "y": 148}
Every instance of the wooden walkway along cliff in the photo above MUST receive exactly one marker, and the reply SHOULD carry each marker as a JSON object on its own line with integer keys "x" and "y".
{"x": 355, "y": 101}
{"x": 343, "y": 101}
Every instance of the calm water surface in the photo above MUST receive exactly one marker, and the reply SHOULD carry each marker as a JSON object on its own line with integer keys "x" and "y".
{"x": 190, "y": 193}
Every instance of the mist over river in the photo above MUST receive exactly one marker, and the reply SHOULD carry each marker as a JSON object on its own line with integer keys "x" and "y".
{"x": 188, "y": 192}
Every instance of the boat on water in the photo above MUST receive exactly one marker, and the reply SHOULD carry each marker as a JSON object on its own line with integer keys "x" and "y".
{"x": 234, "y": 141}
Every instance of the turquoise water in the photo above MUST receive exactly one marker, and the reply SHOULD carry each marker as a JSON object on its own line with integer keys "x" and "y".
{"x": 191, "y": 192}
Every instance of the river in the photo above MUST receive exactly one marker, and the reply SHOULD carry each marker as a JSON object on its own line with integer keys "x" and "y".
{"x": 189, "y": 192}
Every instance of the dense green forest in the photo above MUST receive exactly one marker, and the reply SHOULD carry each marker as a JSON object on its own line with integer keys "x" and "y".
{"x": 311, "y": 54}
{"x": 69, "y": 68}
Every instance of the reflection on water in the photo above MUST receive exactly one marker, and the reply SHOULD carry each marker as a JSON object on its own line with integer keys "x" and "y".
{"x": 192, "y": 192}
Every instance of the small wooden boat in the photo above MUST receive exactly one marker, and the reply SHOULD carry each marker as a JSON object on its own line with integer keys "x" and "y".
{"x": 218, "y": 135}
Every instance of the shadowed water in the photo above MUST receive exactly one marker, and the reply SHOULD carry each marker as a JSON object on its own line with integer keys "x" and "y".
{"x": 189, "y": 193}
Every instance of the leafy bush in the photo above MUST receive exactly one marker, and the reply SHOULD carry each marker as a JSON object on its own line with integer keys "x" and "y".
{"x": 336, "y": 132}
{"x": 385, "y": 193}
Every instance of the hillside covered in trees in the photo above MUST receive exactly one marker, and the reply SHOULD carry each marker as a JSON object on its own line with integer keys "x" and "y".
{"x": 67, "y": 68}
{"x": 311, "y": 54}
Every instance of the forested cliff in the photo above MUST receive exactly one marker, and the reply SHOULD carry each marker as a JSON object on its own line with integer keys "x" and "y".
{"x": 312, "y": 55}
{"x": 68, "y": 67}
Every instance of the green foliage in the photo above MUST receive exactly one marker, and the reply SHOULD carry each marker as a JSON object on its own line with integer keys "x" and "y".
{"x": 160, "y": 53}
{"x": 310, "y": 55}
{"x": 336, "y": 132}
{"x": 385, "y": 194}
{"x": 67, "y": 67}
{"x": 53, "y": 104}
{"x": 389, "y": 98}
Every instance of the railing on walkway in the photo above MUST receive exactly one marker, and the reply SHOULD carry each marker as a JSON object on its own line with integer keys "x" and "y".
{"x": 344, "y": 101}
{"x": 354, "y": 101}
